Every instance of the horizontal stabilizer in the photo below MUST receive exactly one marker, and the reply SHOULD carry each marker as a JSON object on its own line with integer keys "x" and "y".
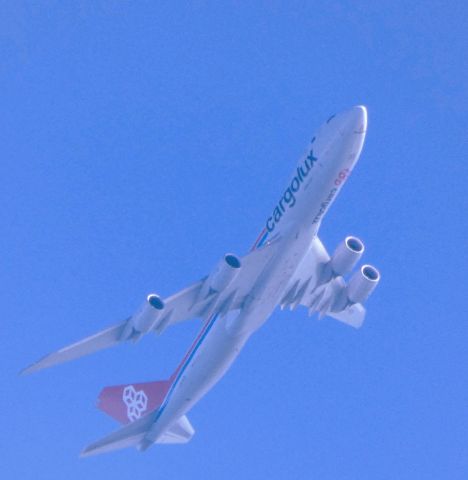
{"x": 180, "y": 432}
{"x": 134, "y": 435}
{"x": 99, "y": 341}
{"x": 131, "y": 435}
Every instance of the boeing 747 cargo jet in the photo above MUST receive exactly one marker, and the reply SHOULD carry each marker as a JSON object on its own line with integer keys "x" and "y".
{"x": 287, "y": 266}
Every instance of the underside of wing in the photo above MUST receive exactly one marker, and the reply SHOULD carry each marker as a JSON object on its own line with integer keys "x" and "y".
{"x": 230, "y": 283}
{"x": 224, "y": 289}
{"x": 99, "y": 341}
{"x": 319, "y": 282}
{"x": 149, "y": 316}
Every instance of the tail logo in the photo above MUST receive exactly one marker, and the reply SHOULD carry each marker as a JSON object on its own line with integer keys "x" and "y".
{"x": 137, "y": 402}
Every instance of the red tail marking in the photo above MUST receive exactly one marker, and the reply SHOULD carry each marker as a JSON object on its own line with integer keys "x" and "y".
{"x": 127, "y": 403}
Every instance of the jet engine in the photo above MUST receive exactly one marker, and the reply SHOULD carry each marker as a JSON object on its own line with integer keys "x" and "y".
{"x": 362, "y": 284}
{"x": 145, "y": 319}
{"x": 223, "y": 274}
{"x": 346, "y": 255}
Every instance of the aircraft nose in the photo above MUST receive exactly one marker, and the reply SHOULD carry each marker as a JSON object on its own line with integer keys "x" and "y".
{"x": 356, "y": 119}
{"x": 342, "y": 130}
{"x": 348, "y": 122}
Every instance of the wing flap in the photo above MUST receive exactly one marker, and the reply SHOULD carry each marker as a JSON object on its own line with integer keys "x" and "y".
{"x": 353, "y": 315}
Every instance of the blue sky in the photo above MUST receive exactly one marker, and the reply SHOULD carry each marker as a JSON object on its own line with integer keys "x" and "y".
{"x": 142, "y": 140}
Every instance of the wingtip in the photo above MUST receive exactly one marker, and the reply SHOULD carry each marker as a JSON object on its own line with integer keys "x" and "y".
{"x": 36, "y": 366}
{"x": 27, "y": 370}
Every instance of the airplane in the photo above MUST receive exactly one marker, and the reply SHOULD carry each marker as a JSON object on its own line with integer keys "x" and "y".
{"x": 288, "y": 266}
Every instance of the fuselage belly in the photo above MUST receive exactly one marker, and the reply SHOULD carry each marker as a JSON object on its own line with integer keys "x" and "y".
{"x": 291, "y": 229}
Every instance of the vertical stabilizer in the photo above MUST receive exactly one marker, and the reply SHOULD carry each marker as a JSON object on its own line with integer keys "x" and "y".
{"x": 127, "y": 403}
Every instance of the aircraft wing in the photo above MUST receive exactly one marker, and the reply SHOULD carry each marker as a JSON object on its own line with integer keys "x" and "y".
{"x": 315, "y": 287}
{"x": 99, "y": 341}
{"x": 183, "y": 305}
{"x": 178, "y": 305}
{"x": 233, "y": 297}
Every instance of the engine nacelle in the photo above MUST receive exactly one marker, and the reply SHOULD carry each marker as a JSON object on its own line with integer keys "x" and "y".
{"x": 146, "y": 318}
{"x": 362, "y": 284}
{"x": 346, "y": 255}
{"x": 223, "y": 274}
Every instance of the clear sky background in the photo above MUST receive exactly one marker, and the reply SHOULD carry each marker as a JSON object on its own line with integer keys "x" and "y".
{"x": 140, "y": 141}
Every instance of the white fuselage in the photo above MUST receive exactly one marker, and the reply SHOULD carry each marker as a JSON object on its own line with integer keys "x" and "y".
{"x": 292, "y": 226}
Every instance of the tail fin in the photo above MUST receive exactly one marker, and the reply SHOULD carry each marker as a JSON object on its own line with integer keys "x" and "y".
{"x": 127, "y": 403}
{"x": 136, "y": 406}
